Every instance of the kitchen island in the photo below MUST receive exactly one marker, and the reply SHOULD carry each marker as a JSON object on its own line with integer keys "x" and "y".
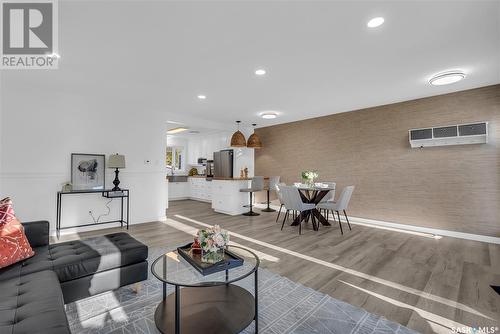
{"x": 222, "y": 192}
{"x": 226, "y": 195}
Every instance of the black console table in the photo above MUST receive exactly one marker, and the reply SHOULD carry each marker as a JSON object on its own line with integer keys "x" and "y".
{"x": 107, "y": 193}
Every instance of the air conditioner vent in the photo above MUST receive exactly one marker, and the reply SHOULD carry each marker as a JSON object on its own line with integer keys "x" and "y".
{"x": 462, "y": 134}
{"x": 446, "y": 131}
{"x": 472, "y": 129}
{"x": 421, "y": 134}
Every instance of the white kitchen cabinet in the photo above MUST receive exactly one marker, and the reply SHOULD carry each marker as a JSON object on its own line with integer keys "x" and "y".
{"x": 201, "y": 189}
{"x": 224, "y": 195}
{"x": 227, "y": 198}
{"x": 178, "y": 190}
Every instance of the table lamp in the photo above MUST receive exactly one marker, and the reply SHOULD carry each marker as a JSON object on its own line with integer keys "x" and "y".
{"x": 116, "y": 161}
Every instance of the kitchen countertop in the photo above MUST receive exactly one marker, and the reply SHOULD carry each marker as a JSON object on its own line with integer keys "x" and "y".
{"x": 177, "y": 178}
{"x": 219, "y": 178}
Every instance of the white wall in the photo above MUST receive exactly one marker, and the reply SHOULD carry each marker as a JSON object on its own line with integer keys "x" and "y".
{"x": 40, "y": 129}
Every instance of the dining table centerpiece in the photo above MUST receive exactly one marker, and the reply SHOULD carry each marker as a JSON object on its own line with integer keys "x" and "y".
{"x": 308, "y": 177}
{"x": 213, "y": 242}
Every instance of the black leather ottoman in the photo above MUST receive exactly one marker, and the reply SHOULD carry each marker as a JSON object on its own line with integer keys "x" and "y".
{"x": 91, "y": 266}
{"x": 32, "y": 304}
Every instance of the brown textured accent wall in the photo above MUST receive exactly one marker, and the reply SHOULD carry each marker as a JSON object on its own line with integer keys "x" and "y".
{"x": 452, "y": 187}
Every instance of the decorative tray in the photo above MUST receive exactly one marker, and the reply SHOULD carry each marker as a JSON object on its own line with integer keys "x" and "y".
{"x": 231, "y": 260}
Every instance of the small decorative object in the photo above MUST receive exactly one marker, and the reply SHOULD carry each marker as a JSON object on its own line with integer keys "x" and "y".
{"x": 192, "y": 172}
{"x": 67, "y": 187}
{"x": 246, "y": 172}
{"x": 308, "y": 177}
{"x": 116, "y": 161}
{"x": 87, "y": 171}
{"x": 195, "y": 246}
{"x": 213, "y": 242}
{"x": 242, "y": 173}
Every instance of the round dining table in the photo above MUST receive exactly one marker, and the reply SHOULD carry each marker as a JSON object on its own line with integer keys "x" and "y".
{"x": 312, "y": 194}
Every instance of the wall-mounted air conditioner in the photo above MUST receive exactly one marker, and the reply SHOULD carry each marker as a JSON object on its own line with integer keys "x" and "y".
{"x": 473, "y": 133}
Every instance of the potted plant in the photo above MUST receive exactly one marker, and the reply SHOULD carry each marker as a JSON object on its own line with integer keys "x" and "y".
{"x": 309, "y": 176}
{"x": 213, "y": 241}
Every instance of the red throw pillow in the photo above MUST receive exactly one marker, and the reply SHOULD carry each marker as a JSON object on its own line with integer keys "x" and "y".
{"x": 14, "y": 245}
{"x": 6, "y": 210}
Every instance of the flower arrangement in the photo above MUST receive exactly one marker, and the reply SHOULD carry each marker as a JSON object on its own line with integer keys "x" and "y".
{"x": 309, "y": 175}
{"x": 212, "y": 242}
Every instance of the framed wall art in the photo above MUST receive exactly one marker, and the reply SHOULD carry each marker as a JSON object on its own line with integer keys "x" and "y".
{"x": 88, "y": 171}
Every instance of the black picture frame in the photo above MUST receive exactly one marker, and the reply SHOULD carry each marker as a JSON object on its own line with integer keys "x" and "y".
{"x": 88, "y": 171}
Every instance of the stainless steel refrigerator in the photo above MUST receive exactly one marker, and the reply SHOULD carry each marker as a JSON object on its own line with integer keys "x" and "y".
{"x": 223, "y": 163}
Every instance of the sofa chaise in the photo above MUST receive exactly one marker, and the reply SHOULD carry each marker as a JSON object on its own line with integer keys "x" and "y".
{"x": 33, "y": 292}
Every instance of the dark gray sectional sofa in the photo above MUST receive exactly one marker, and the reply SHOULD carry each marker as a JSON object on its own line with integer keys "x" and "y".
{"x": 33, "y": 292}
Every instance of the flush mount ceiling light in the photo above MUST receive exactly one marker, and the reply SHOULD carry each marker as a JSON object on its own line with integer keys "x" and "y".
{"x": 446, "y": 78}
{"x": 202, "y": 97}
{"x": 238, "y": 139}
{"x": 254, "y": 140}
{"x": 176, "y": 130}
{"x": 269, "y": 115}
{"x": 260, "y": 72}
{"x": 375, "y": 22}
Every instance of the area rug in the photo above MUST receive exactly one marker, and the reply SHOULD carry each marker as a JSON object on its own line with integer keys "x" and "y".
{"x": 284, "y": 307}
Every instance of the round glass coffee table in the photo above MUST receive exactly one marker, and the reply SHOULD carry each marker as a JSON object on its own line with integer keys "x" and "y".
{"x": 206, "y": 304}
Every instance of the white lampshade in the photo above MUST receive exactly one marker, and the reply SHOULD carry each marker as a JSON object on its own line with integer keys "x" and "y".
{"x": 116, "y": 161}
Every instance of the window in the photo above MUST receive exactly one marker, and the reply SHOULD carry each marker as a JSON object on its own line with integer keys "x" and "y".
{"x": 175, "y": 158}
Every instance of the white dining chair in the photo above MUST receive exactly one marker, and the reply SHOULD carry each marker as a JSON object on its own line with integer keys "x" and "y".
{"x": 293, "y": 202}
{"x": 330, "y": 197}
{"x": 280, "y": 197}
{"x": 340, "y": 205}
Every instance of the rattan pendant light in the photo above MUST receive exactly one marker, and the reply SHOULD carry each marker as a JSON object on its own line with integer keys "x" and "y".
{"x": 254, "y": 140}
{"x": 238, "y": 139}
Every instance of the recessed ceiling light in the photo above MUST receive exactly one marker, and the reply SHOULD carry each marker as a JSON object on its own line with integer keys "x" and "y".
{"x": 375, "y": 22}
{"x": 176, "y": 130}
{"x": 446, "y": 78}
{"x": 269, "y": 115}
{"x": 260, "y": 72}
{"x": 202, "y": 97}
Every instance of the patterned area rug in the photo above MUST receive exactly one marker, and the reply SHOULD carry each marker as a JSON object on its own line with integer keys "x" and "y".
{"x": 284, "y": 307}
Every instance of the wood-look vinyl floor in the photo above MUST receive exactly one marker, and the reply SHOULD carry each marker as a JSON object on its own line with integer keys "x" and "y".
{"x": 425, "y": 284}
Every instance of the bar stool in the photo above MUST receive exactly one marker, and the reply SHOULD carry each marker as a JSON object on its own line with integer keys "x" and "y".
{"x": 273, "y": 181}
{"x": 257, "y": 184}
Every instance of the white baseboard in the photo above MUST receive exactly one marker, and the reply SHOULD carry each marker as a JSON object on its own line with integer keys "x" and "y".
{"x": 413, "y": 228}
{"x": 73, "y": 230}
{"x": 190, "y": 198}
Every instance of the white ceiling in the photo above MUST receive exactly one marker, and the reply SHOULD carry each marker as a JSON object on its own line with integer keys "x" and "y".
{"x": 320, "y": 56}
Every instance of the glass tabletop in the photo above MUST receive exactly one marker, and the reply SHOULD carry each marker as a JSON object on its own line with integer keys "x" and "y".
{"x": 172, "y": 268}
